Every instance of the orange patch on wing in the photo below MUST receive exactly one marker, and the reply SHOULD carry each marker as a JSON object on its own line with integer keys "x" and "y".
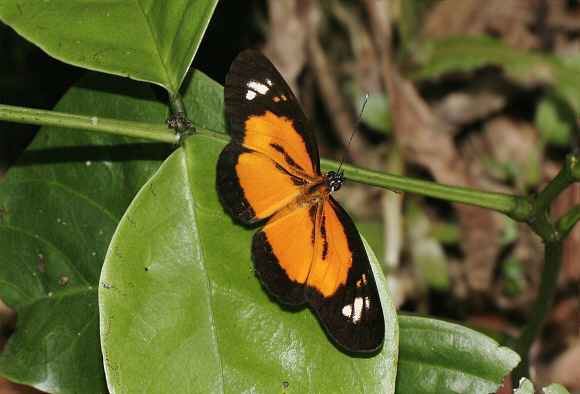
{"x": 333, "y": 257}
{"x": 320, "y": 261}
{"x": 265, "y": 186}
{"x": 264, "y": 131}
{"x": 289, "y": 233}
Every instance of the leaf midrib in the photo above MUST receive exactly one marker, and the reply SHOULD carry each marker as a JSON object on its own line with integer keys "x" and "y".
{"x": 163, "y": 62}
{"x": 192, "y": 211}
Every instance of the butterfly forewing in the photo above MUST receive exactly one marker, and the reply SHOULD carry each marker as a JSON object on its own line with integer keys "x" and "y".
{"x": 273, "y": 153}
{"x": 253, "y": 186}
{"x": 266, "y": 117}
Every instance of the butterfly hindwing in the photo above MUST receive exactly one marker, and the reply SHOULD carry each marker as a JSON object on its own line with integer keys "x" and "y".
{"x": 282, "y": 251}
{"x": 346, "y": 298}
{"x": 314, "y": 254}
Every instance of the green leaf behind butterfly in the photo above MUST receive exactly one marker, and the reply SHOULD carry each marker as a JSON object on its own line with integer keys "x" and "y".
{"x": 187, "y": 312}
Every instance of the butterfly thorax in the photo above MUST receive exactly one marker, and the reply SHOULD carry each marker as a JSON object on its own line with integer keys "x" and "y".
{"x": 318, "y": 189}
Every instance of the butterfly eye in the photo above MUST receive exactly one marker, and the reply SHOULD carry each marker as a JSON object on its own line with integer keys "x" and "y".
{"x": 334, "y": 180}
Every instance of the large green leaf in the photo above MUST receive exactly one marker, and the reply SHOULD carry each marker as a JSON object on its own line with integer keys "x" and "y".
{"x": 60, "y": 204}
{"x": 469, "y": 53}
{"x": 148, "y": 40}
{"x": 182, "y": 311}
{"x": 441, "y": 357}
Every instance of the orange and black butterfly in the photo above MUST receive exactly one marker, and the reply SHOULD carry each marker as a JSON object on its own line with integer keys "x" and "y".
{"x": 309, "y": 250}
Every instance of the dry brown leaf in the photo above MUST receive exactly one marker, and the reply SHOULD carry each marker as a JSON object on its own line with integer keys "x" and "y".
{"x": 286, "y": 39}
{"x": 508, "y": 19}
{"x": 564, "y": 370}
{"x": 334, "y": 101}
{"x": 426, "y": 140}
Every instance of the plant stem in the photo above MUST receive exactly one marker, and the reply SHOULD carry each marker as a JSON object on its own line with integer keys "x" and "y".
{"x": 567, "y": 175}
{"x": 515, "y": 207}
{"x": 155, "y": 132}
{"x": 550, "y": 271}
{"x": 565, "y": 224}
{"x": 552, "y": 236}
{"x": 177, "y": 104}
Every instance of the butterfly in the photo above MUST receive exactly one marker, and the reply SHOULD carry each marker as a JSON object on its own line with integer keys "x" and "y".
{"x": 309, "y": 250}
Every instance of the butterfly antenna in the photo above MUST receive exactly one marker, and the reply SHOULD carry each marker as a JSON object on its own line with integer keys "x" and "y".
{"x": 354, "y": 129}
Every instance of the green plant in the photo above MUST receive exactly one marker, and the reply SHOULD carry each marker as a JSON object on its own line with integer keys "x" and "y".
{"x": 178, "y": 306}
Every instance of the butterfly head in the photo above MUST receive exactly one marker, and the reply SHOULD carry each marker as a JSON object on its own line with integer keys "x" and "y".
{"x": 334, "y": 180}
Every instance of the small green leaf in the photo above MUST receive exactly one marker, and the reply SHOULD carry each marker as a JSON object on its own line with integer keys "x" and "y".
{"x": 513, "y": 272}
{"x": 178, "y": 291}
{"x": 429, "y": 257}
{"x": 470, "y": 53}
{"x": 554, "y": 120}
{"x": 440, "y": 357}
{"x": 555, "y": 388}
{"x": 152, "y": 41}
{"x": 526, "y": 387}
{"x": 510, "y": 232}
{"x": 427, "y": 253}
{"x": 376, "y": 114}
{"x": 61, "y": 202}
{"x": 445, "y": 232}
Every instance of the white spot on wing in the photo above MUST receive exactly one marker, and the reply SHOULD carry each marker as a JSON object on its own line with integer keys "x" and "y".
{"x": 250, "y": 95}
{"x": 358, "y": 307}
{"x": 258, "y": 87}
{"x": 354, "y": 311}
{"x": 347, "y": 311}
{"x": 269, "y": 82}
